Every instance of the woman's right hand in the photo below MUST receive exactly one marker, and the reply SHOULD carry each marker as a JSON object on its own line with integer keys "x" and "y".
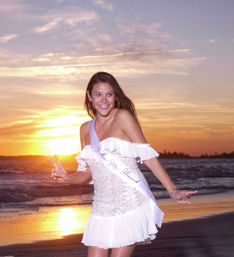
{"x": 58, "y": 172}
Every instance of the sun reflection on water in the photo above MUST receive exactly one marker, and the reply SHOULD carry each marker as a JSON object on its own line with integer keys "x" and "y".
{"x": 46, "y": 224}
{"x": 71, "y": 220}
{"x": 68, "y": 222}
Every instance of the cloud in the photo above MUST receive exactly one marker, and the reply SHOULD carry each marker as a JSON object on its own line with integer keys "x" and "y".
{"x": 68, "y": 16}
{"x": 18, "y": 131}
{"x": 82, "y": 17}
{"x": 6, "y": 38}
{"x": 212, "y": 41}
{"x": 132, "y": 49}
{"x": 104, "y": 4}
{"x": 45, "y": 124}
{"x": 132, "y": 63}
{"x": 171, "y": 116}
{"x": 13, "y": 8}
{"x": 153, "y": 30}
{"x": 48, "y": 26}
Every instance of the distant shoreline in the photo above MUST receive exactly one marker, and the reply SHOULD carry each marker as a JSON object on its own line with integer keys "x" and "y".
{"x": 164, "y": 155}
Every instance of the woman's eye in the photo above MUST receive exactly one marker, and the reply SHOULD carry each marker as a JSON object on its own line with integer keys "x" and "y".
{"x": 110, "y": 94}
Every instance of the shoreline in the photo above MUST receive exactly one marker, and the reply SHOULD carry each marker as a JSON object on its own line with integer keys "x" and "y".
{"x": 51, "y": 223}
{"x": 204, "y": 236}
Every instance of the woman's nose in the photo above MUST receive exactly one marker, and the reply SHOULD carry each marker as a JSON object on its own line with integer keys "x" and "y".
{"x": 103, "y": 100}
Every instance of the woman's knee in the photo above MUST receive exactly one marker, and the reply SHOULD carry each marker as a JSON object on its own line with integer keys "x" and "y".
{"x": 125, "y": 251}
{"x": 94, "y": 251}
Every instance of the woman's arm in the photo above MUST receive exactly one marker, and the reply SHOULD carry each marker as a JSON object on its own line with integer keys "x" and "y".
{"x": 133, "y": 130}
{"x": 59, "y": 173}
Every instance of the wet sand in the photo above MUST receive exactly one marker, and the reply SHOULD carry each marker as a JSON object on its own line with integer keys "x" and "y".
{"x": 211, "y": 236}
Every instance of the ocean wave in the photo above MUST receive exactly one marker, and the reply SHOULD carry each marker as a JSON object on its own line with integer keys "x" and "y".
{"x": 28, "y": 183}
{"x": 39, "y": 191}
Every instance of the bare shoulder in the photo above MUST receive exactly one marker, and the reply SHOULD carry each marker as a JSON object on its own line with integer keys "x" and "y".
{"x": 125, "y": 115}
{"x": 130, "y": 126}
{"x": 84, "y": 132}
{"x": 84, "y": 126}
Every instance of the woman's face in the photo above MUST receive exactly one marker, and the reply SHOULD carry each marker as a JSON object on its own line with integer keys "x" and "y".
{"x": 102, "y": 98}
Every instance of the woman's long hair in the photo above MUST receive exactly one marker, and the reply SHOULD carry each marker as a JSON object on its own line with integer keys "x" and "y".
{"x": 121, "y": 102}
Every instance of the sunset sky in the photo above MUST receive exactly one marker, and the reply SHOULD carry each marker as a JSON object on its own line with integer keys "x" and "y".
{"x": 173, "y": 58}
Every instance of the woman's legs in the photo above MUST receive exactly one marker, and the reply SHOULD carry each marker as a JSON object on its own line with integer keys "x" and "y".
{"x": 94, "y": 251}
{"x": 125, "y": 251}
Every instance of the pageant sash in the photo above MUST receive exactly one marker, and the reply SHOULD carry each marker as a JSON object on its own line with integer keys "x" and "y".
{"x": 94, "y": 141}
{"x": 133, "y": 177}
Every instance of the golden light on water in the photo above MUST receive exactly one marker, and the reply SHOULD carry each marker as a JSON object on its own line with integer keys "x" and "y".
{"x": 47, "y": 223}
{"x": 68, "y": 222}
{"x": 56, "y": 222}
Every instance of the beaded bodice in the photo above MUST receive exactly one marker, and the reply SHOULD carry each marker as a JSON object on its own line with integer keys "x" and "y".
{"x": 112, "y": 195}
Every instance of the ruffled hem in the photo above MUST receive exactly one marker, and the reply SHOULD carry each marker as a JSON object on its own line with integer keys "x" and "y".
{"x": 139, "y": 151}
{"x": 117, "y": 231}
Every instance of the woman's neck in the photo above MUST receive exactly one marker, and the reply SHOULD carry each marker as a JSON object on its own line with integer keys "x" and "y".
{"x": 103, "y": 119}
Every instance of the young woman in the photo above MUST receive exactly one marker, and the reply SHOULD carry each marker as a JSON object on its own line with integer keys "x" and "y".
{"x": 124, "y": 211}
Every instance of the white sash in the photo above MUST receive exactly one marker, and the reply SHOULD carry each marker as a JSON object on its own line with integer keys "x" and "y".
{"x": 133, "y": 177}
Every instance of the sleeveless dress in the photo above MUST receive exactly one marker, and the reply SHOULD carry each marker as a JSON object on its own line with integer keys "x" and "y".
{"x": 121, "y": 214}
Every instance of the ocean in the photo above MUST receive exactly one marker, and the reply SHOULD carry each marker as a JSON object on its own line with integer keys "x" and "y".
{"x": 26, "y": 184}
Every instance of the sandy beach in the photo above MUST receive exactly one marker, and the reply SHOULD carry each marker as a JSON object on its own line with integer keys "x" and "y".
{"x": 209, "y": 237}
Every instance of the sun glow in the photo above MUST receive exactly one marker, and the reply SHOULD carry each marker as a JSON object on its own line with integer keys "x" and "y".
{"x": 60, "y": 135}
{"x": 63, "y": 146}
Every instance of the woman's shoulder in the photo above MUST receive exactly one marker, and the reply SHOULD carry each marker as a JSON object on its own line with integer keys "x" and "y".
{"x": 84, "y": 133}
{"x": 123, "y": 114}
{"x": 124, "y": 118}
{"x": 129, "y": 126}
{"x": 84, "y": 127}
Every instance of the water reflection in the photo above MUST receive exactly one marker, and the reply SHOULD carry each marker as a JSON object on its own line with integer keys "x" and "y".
{"x": 47, "y": 223}
{"x": 68, "y": 221}
{"x": 56, "y": 222}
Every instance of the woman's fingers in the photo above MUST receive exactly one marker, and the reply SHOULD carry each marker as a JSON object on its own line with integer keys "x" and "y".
{"x": 51, "y": 161}
{"x": 56, "y": 164}
{"x": 57, "y": 172}
{"x": 193, "y": 192}
{"x": 184, "y": 196}
{"x": 52, "y": 173}
{"x": 186, "y": 193}
{"x": 184, "y": 199}
{"x": 58, "y": 161}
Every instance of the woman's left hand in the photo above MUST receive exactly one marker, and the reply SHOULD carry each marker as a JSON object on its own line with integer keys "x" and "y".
{"x": 183, "y": 196}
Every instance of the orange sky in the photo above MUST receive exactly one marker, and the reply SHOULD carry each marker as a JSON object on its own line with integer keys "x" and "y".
{"x": 177, "y": 69}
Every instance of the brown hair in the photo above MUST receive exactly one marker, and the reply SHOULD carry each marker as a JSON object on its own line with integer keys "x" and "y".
{"x": 122, "y": 101}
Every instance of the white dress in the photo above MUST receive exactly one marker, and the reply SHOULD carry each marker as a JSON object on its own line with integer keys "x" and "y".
{"x": 121, "y": 215}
